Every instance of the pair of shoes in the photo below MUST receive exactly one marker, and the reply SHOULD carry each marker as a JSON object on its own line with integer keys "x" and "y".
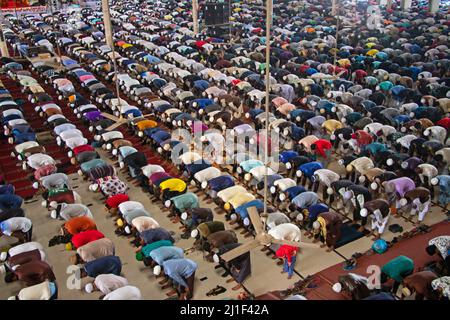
{"x": 225, "y": 274}
{"x": 216, "y": 291}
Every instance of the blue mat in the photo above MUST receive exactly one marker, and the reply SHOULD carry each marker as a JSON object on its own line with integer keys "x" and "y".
{"x": 349, "y": 233}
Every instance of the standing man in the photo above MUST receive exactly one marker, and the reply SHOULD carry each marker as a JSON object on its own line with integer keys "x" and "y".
{"x": 397, "y": 269}
{"x": 289, "y": 254}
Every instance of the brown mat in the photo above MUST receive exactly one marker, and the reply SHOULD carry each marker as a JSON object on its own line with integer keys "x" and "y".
{"x": 413, "y": 248}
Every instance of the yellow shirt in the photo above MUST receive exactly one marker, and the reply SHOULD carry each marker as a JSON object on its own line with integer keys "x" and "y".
{"x": 331, "y": 125}
{"x": 173, "y": 185}
{"x": 240, "y": 199}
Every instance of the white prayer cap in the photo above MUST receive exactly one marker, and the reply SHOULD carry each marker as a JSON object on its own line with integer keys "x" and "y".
{"x": 53, "y": 214}
{"x": 167, "y": 203}
{"x": 316, "y": 225}
{"x": 157, "y": 270}
{"x": 53, "y": 204}
{"x": 3, "y": 256}
{"x": 337, "y": 287}
{"x": 363, "y": 212}
{"x": 216, "y": 258}
{"x": 184, "y": 215}
{"x": 194, "y": 233}
{"x": 35, "y": 185}
{"x": 403, "y": 202}
{"x": 89, "y": 288}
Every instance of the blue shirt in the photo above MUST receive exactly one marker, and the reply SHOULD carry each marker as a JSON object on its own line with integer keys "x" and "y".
{"x": 309, "y": 168}
{"x": 103, "y": 265}
{"x": 156, "y": 234}
{"x": 316, "y": 209}
{"x": 221, "y": 182}
{"x": 179, "y": 269}
{"x": 242, "y": 210}
{"x": 166, "y": 253}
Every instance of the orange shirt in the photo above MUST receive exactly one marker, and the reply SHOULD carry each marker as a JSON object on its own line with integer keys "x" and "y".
{"x": 80, "y": 224}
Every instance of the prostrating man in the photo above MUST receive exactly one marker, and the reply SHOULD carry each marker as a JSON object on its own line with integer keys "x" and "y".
{"x": 31, "y": 273}
{"x": 240, "y": 267}
{"x": 46, "y": 290}
{"x": 18, "y": 227}
{"x": 182, "y": 273}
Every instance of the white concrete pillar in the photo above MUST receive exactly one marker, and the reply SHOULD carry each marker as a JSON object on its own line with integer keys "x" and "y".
{"x": 405, "y": 5}
{"x": 107, "y": 23}
{"x": 334, "y": 7}
{"x": 389, "y": 4}
{"x": 3, "y": 47}
{"x": 195, "y": 16}
{"x": 433, "y": 5}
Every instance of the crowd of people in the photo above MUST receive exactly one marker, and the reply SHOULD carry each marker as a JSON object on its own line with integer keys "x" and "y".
{"x": 359, "y": 131}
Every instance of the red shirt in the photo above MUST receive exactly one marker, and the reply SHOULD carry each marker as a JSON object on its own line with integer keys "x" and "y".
{"x": 444, "y": 122}
{"x": 362, "y": 137}
{"x": 85, "y": 237}
{"x": 321, "y": 146}
{"x": 286, "y": 251}
{"x": 83, "y": 148}
{"x": 114, "y": 201}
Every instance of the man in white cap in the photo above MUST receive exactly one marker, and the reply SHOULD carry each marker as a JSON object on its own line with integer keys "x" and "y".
{"x": 106, "y": 283}
{"x": 124, "y": 293}
{"x": 46, "y": 290}
{"x": 353, "y": 284}
{"x": 53, "y": 181}
{"x": 18, "y": 227}
{"x": 24, "y": 247}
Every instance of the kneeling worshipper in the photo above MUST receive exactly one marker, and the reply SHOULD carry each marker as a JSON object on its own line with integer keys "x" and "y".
{"x": 397, "y": 269}
{"x": 67, "y": 211}
{"x": 93, "y": 250}
{"x": 46, "y": 290}
{"x": 124, "y": 293}
{"x": 239, "y": 268}
{"x": 161, "y": 254}
{"x": 182, "y": 274}
{"x": 354, "y": 285}
{"x": 103, "y": 265}
{"x": 420, "y": 284}
{"x": 106, "y": 283}
{"x": 73, "y": 227}
{"x": 21, "y": 248}
{"x": 143, "y": 254}
{"x": 13, "y": 262}
{"x": 10, "y": 201}
{"x": 17, "y": 227}
{"x": 31, "y": 273}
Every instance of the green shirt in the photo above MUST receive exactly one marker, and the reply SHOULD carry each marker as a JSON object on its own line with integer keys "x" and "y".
{"x": 155, "y": 245}
{"x": 398, "y": 267}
